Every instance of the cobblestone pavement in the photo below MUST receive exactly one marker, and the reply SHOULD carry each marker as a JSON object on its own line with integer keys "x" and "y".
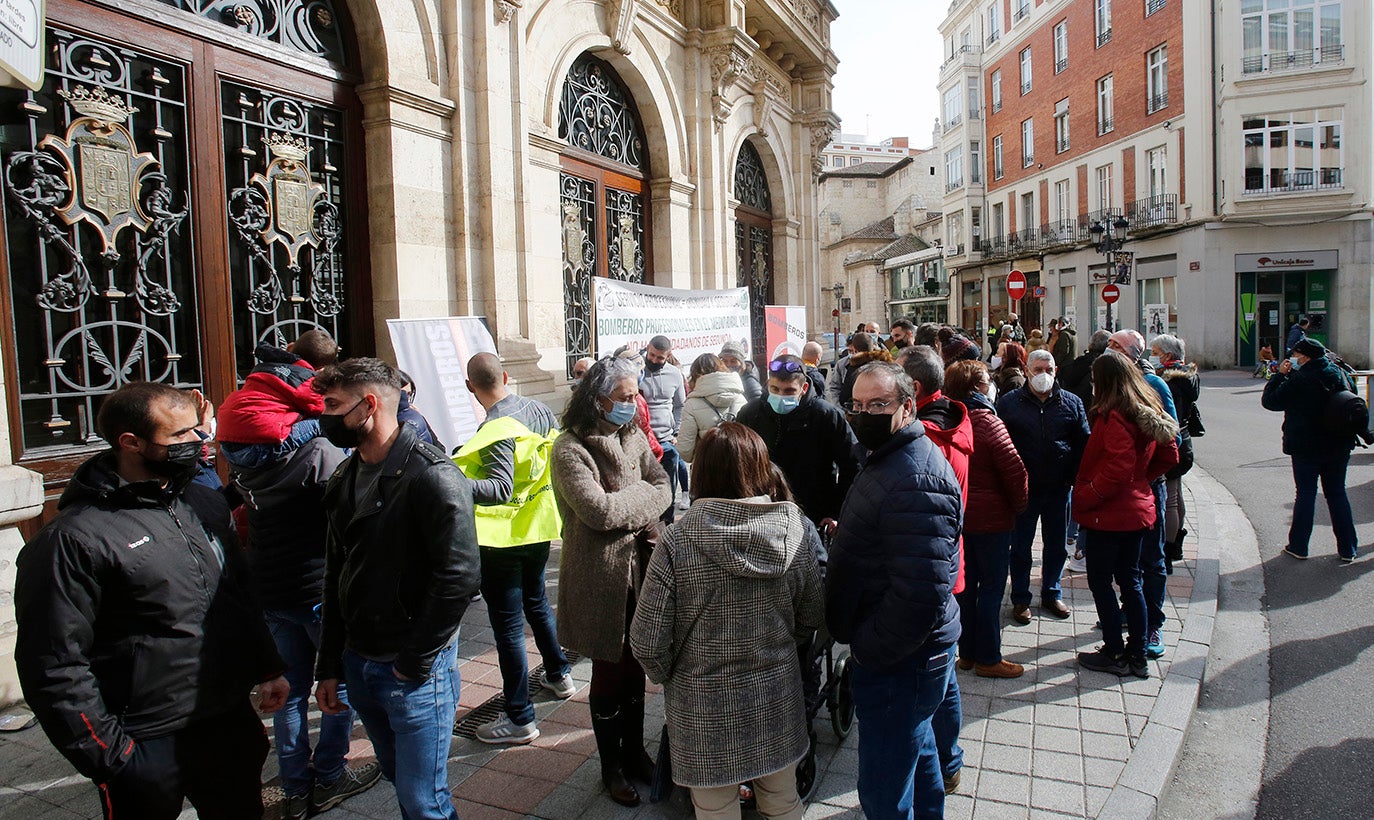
{"x": 1052, "y": 743}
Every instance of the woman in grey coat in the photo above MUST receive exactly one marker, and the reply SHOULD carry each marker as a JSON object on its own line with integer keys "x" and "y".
{"x": 731, "y": 588}
{"x": 609, "y": 486}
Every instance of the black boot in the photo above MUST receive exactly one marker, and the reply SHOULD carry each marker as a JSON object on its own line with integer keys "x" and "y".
{"x": 636, "y": 760}
{"x": 607, "y": 725}
{"x": 1173, "y": 550}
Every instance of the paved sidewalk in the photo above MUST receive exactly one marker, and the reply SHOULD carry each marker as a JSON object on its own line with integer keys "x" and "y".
{"x": 1058, "y": 742}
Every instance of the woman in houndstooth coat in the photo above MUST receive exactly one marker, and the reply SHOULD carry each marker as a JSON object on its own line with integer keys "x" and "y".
{"x": 729, "y": 590}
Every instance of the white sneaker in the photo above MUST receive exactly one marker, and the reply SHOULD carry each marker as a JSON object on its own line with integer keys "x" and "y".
{"x": 564, "y": 688}
{"x": 1077, "y": 563}
{"x": 684, "y": 503}
{"x": 503, "y": 731}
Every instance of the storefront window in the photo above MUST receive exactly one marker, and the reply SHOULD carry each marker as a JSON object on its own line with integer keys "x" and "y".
{"x": 1158, "y": 307}
{"x": 998, "y": 301}
{"x": 1067, "y": 307}
{"x": 971, "y": 305}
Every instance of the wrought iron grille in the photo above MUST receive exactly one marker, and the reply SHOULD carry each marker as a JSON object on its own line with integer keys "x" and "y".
{"x": 309, "y": 26}
{"x": 625, "y": 235}
{"x": 577, "y": 202}
{"x": 751, "y": 181}
{"x": 754, "y": 260}
{"x": 596, "y": 114}
{"x": 100, "y": 238}
{"x": 284, "y": 161}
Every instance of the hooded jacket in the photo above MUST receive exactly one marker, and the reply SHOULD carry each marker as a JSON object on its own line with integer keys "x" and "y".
{"x": 277, "y": 394}
{"x": 134, "y": 617}
{"x": 1301, "y": 396}
{"x": 947, "y": 425}
{"x": 286, "y": 524}
{"x": 730, "y": 589}
{"x": 666, "y": 393}
{"x": 856, "y": 363}
{"x": 889, "y": 591}
{"x": 997, "y": 483}
{"x": 814, "y": 448}
{"x": 1185, "y": 387}
{"x": 1049, "y": 435}
{"x": 1063, "y": 347}
{"x": 1112, "y": 491}
{"x": 715, "y": 397}
{"x": 1077, "y": 376}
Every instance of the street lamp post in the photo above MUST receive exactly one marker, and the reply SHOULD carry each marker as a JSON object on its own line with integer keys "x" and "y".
{"x": 836, "y": 290}
{"x": 1108, "y": 240}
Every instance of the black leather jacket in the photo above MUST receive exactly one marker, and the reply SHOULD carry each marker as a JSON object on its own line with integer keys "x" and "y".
{"x": 401, "y": 566}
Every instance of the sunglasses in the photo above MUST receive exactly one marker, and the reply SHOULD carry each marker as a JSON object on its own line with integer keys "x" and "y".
{"x": 784, "y": 366}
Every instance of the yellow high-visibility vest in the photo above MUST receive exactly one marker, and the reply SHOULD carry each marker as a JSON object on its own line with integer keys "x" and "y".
{"x": 531, "y": 516}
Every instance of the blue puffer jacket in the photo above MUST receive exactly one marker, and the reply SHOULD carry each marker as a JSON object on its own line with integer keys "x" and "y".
{"x": 1049, "y": 436}
{"x": 896, "y": 555}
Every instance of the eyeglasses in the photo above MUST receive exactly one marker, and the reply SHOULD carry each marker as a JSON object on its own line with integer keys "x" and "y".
{"x": 784, "y": 366}
{"x": 873, "y": 408}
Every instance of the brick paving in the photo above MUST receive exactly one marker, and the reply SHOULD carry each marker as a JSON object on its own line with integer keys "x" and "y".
{"x": 1050, "y": 744}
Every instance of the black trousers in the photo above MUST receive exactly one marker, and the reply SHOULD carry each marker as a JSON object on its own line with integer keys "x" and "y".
{"x": 216, "y": 763}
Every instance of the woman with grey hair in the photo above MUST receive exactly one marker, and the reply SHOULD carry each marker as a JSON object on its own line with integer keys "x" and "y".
{"x": 1167, "y": 355}
{"x": 609, "y": 489}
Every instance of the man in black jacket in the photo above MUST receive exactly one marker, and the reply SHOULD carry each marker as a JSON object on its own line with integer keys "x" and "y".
{"x": 286, "y": 526}
{"x": 807, "y": 438}
{"x": 401, "y": 564}
{"x": 138, "y": 643}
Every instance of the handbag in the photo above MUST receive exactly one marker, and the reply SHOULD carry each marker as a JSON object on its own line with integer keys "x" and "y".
{"x": 1195, "y": 427}
{"x": 662, "y": 786}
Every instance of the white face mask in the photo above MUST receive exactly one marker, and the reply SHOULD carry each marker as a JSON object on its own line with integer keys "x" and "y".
{"x": 991, "y": 392}
{"x": 996, "y": 362}
{"x": 1155, "y": 362}
{"x": 1042, "y": 382}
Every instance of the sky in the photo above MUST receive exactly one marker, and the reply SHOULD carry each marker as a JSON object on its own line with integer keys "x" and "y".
{"x": 890, "y": 54}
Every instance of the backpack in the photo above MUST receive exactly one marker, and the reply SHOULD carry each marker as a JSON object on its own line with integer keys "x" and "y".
{"x": 1345, "y": 413}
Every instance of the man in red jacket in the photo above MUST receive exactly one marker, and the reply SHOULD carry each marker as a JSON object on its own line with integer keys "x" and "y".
{"x": 948, "y": 427}
{"x": 276, "y": 410}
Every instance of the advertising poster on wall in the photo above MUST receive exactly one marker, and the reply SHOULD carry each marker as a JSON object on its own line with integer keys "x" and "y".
{"x": 786, "y": 329}
{"x": 1156, "y": 321}
{"x": 697, "y": 321}
{"x": 435, "y": 353}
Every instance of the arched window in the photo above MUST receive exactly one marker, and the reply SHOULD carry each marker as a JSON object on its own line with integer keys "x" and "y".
{"x": 754, "y": 240}
{"x": 602, "y": 193}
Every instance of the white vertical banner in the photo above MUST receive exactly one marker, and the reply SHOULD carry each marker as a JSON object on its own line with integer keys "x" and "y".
{"x": 696, "y": 321}
{"x": 786, "y": 329}
{"x": 435, "y": 353}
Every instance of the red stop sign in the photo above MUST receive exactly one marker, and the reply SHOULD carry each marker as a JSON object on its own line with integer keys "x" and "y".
{"x": 1016, "y": 285}
{"x": 1111, "y": 293}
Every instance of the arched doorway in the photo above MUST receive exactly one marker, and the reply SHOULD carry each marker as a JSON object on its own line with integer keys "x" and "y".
{"x": 754, "y": 242}
{"x": 186, "y": 184}
{"x": 605, "y": 167}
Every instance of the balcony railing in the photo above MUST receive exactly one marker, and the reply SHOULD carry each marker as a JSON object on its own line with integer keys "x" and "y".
{"x": 1060, "y": 65}
{"x": 953, "y": 122}
{"x": 1292, "y": 60}
{"x": 1152, "y": 6}
{"x": 1021, "y": 241}
{"x": 994, "y": 37}
{"x": 1287, "y": 182}
{"x": 1061, "y": 145}
{"x": 1021, "y": 13}
{"x": 996, "y": 106}
{"x": 1102, "y": 216}
{"x": 1105, "y": 126}
{"x": 954, "y": 184}
{"x": 1025, "y": 88}
{"x": 1156, "y": 102}
{"x": 1104, "y": 37}
{"x": 1063, "y": 232}
{"x": 1027, "y": 160}
{"x": 974, "y": 113}
{"x": 1152, "y": 212}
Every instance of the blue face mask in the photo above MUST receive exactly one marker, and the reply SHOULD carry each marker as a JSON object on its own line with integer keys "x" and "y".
{"x": 782, "y": 405}
{"x": 621, "y": 412}
{"x": 1293, "y": 360}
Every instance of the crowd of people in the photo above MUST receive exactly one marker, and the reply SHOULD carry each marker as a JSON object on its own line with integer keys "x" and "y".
{"x": 888, "y": 500}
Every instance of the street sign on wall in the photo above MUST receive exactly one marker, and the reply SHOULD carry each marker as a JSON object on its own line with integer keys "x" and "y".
{"x": 21, "y": 43}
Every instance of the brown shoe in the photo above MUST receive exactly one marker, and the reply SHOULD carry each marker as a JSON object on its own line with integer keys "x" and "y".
{"x": 952, "y": 782}
{"x": 1056, "y": 607}
{"x": 1021, "y": 614}
{"x": 1001, "y": 669}
{"x": 965, "y": 664}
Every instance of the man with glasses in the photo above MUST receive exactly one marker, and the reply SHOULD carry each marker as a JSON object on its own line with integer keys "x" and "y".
{"x": 807, "y": 438}
{"x": 889, "y": 595}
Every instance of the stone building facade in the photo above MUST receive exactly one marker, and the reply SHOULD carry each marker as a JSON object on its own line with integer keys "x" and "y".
{"x": 195, "y": 178}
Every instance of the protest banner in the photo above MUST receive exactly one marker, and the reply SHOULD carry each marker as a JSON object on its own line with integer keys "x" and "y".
{"x": 435, "y": 353}
{"x": 786, "y": 329}
{"x": 697, "y": 321}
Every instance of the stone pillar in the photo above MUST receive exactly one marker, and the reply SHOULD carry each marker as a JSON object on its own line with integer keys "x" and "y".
{"x": 21, "y": 498}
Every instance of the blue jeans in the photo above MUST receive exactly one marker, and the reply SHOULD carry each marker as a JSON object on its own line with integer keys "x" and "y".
{"x": 1048, "y": 509}
{"x": 899, "y": 763}
{"x": 251, "y": 456}
{"x": 1153, "y": 568}
{"x": 1070, "y": 525}
{"x": 297, "y": 635}
{"x": 1331, "y": 471}
{"x": 410, "y": 724}
{"x": 986, "y": 558}
{"x": 512, "y": 584}
{"x": 1116, "y": 556}
{"x": 670, "y": 460}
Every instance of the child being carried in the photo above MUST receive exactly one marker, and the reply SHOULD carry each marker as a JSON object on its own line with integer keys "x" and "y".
{"x": 277, "y": 410}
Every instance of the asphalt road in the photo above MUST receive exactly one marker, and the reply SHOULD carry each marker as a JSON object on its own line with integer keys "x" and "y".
{"x": 1320, "y": 756}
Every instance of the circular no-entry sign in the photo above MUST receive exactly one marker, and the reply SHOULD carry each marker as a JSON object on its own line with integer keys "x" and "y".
{"x": 1111, "y": 293}
{"x": 1016, "y": 284}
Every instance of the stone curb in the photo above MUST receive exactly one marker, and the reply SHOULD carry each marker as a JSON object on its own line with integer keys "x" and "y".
{"x": 1151, "y": 765}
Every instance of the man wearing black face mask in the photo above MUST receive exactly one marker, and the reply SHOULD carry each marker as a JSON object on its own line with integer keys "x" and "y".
{"x": 889, "y": 594}
{"x": 401, "y": 565}
{"x": 137, "y": 643}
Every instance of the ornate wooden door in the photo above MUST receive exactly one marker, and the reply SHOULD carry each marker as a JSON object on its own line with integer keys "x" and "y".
{"x": 754, "y": 243}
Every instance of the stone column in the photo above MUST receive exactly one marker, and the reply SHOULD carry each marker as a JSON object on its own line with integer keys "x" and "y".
{"x": 21, "y": 498}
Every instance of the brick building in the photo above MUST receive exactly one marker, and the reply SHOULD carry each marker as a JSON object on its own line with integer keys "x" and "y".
{"x": 1239, "y": 175}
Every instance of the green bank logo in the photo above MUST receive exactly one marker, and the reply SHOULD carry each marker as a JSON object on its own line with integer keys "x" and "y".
{"x": 1245, "y": 319}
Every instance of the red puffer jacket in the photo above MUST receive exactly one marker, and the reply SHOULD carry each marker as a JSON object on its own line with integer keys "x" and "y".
{"x": 997, "y": 483}
{"x": 1112, "y": 491}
